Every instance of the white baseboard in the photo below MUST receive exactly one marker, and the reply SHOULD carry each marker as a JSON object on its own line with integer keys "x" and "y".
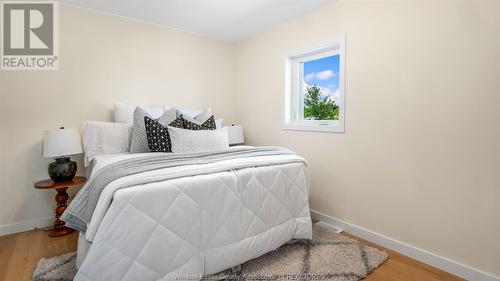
{"x": 26, "y": 225}
{"x": 424, "y": 256}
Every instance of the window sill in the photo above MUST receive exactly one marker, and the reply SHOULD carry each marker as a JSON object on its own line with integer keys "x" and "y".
{"x": 313, "y": 128}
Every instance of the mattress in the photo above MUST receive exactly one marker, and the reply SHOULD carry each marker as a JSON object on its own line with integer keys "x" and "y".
{"x": 225, "y": 214}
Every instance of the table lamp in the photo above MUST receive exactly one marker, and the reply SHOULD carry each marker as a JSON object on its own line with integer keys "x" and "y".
{"x": 60, "y": 144}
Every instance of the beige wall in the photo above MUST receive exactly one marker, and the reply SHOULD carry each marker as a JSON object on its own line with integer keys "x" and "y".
{"x": 419, "y": 160}
{"x": 103, "y": 59}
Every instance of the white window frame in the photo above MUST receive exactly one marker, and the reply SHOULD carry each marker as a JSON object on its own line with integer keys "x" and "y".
{"x": 294, "y": 93}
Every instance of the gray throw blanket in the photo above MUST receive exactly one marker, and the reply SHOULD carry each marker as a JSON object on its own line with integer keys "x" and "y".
{"x": 81, "y": 209}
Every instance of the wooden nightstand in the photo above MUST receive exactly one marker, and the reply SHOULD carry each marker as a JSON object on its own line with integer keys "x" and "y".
{"x": 59, "y": 228}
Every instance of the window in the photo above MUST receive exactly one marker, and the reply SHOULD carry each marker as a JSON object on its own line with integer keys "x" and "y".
{"x": 314, "y": 90}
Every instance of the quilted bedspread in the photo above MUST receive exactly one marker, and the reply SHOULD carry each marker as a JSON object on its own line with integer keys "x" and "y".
{"x": 227, "y": 213}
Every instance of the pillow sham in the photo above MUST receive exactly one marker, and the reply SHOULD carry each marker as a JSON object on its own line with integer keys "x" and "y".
{"x": 190, "y": 112}
{"x": 190, "y": 141}
{"x": 218, "y": 123}
{"x": 139, "y": 141}
{"x": 105, "y": 138}
{"x": 124, "y": 113}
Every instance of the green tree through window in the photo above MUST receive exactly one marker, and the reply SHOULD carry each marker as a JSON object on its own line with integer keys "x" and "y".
{"x": 318, "y": 107}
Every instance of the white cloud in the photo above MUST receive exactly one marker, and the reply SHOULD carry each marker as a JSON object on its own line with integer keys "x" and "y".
{"x": 322, "y": 75}
{"x": 328, "y": 91}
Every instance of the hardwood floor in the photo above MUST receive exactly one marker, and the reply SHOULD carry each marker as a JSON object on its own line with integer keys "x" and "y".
{"x": 402, "y": 268}
{"x": 20, "y": 252}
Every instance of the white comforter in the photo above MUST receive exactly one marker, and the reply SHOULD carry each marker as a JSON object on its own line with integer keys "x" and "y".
{"x": 206, "y": 219}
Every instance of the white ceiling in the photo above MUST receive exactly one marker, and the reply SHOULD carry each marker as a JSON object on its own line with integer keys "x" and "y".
{"x": 230, "y": 20}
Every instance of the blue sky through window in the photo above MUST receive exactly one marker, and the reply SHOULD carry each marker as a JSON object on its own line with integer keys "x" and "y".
{"x": 324, "y": 72}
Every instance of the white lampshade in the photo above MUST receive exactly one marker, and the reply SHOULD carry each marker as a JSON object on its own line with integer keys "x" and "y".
{"x": 61, "y": 142}
{"x": 235, "y": 135}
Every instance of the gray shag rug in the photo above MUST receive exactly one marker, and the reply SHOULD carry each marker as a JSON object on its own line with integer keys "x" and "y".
{"x": 58, "y": 268}
{"x": 329, "y": 256}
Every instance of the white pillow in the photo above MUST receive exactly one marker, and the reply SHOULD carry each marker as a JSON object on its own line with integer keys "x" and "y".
{"x": 191, "y": 112}
{"x": 218, "y": 123}
{"x": 124, "y": 113}
{"x": 105, "y": 138}
{"x": 189, "y": 141}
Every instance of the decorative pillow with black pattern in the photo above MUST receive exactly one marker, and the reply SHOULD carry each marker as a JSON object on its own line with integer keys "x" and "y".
{"x": 158, "y": 136}
{"x": 178, "y": 122}
{"x": 139, "y": 140}
{"x": 194, "y": 124}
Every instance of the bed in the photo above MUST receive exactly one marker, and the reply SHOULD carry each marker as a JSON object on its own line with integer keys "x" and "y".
{"x": 184, "y": 218}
